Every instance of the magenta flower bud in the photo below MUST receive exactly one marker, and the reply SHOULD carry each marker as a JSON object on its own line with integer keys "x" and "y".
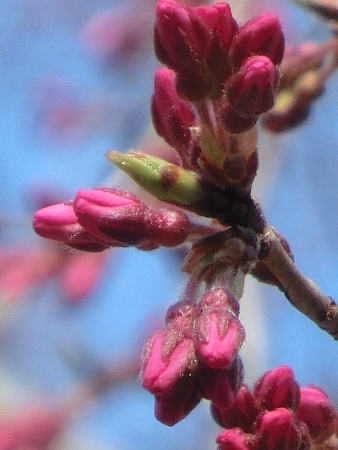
{"x": 59, "y": 223}
{"x": 172, "y": 117}
{"x": 112, "y": 216}
{"x": 162, "y": 369}
{"x": 175, "y": 405}
{"x": 241, "y": 414}
{"x": 220, "y": 385}
{"x": 262, "y": 35}
{"x": 233, "y": 439}
{"x": 251, "y": 91}
{"x": 222, "y": 26}
{"x": 181, "y": 40}
{"x": 218, "y": 336}
{"x": 277, "y": 430}
{"x": 317, "y": 412}
{"x": 169, "y": 228}
{"x": 276, "y": 389}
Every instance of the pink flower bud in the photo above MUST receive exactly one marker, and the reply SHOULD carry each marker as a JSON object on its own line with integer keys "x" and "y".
{"x": 172, "y": 117}
{"x": 222, "y": 26}
{"x": 317, "y": 412}
{"x": 218, "y": 338}
{"x": 262, "y": 35}
{"x": 218, "y": 332}
{"x": 241, "y": 414}
{"x": 112, "y": 216}
{"x": 233, "y": 439}
{"x": 276, "y": 389}
{"x": 251, "y": 91}
{"x": 175, "y": 405}
{"x": 220, "y": 385}
{"x": 181, "y": 40}
{"x": 163, "y": 367}
{"x": 59, "y": 223}
{"x": 277, "y": 430}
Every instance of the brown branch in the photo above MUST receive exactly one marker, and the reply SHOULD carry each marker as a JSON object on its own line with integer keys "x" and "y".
{"x": 301, "y": 292}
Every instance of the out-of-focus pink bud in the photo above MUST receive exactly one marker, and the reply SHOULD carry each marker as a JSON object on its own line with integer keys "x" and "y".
{"x": 233, "y": 439}
{"x": 59, "y": 223}
{"x": 251, "y": 91}
{"x": 169, "y": 228}
{"x": 112, "y": 216}
{"x": 317, "y": 412}
{"x": 262, "y": 35}
{"x": 220, "y": 385}
{"x": 218, "y": 332}
{"x": 36, "y": 428}
{"x": 277, "y": 430}
{"x": 175, "y": 405}
{"x": 162, "y": 369}
{"x": 276, "y": 389}
{"x": 172, "y": 117}
{"x": 7, "y": 440}
{"x": 81, "y": 275}
{"x": 241, "y": 414}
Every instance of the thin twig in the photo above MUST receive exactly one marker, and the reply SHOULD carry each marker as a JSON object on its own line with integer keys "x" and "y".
{"x": 301, "y": 292}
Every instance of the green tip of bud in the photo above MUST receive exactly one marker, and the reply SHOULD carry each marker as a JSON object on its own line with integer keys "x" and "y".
{"x": 166, "y": 181}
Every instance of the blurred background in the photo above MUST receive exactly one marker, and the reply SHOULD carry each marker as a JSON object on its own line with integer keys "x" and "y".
{"x": 76, "y": 79}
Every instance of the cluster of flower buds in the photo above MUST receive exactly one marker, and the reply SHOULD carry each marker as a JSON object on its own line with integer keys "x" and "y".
{"x": 305, "y": 70}
{"x": 219, "y": 79}
{"x": 195, "y": 356}
{"x": 277, "y": 414}
{"x": 101, "y": 218}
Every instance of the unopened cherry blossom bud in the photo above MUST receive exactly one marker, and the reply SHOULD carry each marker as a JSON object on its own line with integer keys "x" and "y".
{"x": 277, "y": 430}
{"x": 172, "y": 117}
{"x": 233, "y": 439}
{"x": 112, "y": 215}
{"x": 175, "y": 405}
{"x": 162, "y": 369}
{"x": 277, "y": 388}
{"x": 241, "y": 414}
{"x": 251, "y": 91}
{"x": 262, "y": 35}
{"x": 317, "y": 412}
{"x": 220, "y": 385}
{"x": 218, "y": 333}
{"x": 181, "y": 40}
{"x": 59, "y": 223}
{"x": 222, "y": 27}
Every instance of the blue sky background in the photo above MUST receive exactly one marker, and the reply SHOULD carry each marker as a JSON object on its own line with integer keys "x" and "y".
{"x": 39, "y": 42}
